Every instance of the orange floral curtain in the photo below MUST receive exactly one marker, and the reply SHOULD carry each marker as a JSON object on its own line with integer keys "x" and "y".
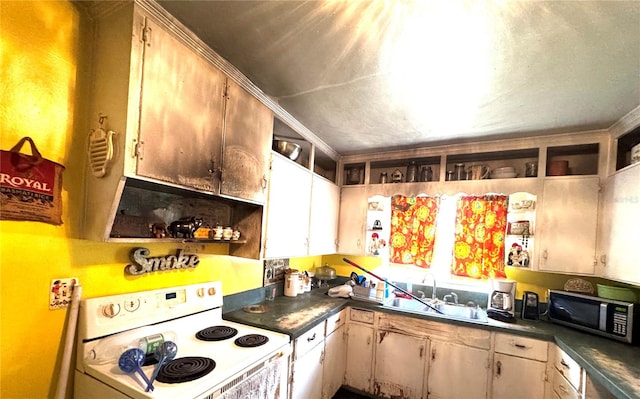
{"x": 413, "y": 226}
{"x": 479, "y": 236}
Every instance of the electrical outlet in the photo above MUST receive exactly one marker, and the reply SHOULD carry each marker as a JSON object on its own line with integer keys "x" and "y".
{"x": 60, "y": 292}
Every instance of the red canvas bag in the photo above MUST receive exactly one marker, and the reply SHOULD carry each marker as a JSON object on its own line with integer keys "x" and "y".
{"x": 30, "y": 185}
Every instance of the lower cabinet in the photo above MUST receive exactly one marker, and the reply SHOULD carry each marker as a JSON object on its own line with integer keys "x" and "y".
{"x": 517, "y": 377}
{"x": 394, "y": 356}
{"x": 457, "y": 371}
{"x": 307, "y": 375}
{"x": 399, "y": 365}
{"x": 359, "y": 350}
{"x": 519, "y": 367}
{"x": 319, "y": 360}
{"x": 334, "y": 364}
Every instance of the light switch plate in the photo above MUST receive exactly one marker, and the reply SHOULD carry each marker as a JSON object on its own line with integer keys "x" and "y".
{"x": 60, "y": 292}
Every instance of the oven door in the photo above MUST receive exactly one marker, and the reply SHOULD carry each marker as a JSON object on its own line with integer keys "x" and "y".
{"x": 267, "y": 380}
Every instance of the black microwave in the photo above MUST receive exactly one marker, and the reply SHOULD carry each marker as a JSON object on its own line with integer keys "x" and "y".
{"x": 613, "y": 319}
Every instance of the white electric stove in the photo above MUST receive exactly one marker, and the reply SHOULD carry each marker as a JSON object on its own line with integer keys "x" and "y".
{"x": 215, "y": 358}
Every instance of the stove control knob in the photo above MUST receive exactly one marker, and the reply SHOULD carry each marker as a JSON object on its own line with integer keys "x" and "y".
{"x": 212, "y": 291}
{"x": 200, "y": 292}
{"x": 111, "y": 310}
{"x": 132, "y": 305}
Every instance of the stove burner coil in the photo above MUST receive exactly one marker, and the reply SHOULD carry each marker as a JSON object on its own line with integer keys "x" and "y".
{"x": 216, "y": 333}
{"x": 251, "y": 340}
{"x": 185, "y": 369}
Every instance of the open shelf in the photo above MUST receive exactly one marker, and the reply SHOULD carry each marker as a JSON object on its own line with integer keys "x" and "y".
{"x": 517, "y": 159}
{"x": 582, "y": 159}
{"x": 625, "y": 143}
{"x": 353, "y": 174}
{"x": 401, "y": 165}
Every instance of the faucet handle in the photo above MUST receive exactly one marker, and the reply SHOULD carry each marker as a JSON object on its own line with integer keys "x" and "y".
{"x": 451, "y": 297}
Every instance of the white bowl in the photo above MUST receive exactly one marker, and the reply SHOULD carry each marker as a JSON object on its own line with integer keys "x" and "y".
{"x": 504, "y": 175}
{"x": 506, "y": 169}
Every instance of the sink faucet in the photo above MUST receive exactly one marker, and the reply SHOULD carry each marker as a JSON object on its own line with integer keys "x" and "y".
{"x": 452, "y": 297}
{"x": 421, "y": 294}
{"x": 433, "y": 278}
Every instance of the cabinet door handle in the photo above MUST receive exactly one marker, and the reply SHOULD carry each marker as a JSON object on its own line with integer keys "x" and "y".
{"x": 368, "y": 340}
{"x": 520, "y": 346}
{"x": 264, "y": 182}
{"x": 311, "y": 338}
{"x": 433, "y": 354}
{"x": 421, "y": 351}
{"x": 545, "y": 254}
{"x": 564, "y": 364}
{"x": 498, "y": 367}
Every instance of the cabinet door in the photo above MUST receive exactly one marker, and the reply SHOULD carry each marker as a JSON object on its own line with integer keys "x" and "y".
{"x": 400, "y": 365}
{"x": 247, "y": 145}
{"x": 307, "y": 375}
{"x": 351, "y": 226}
{"x": 568, "y": 225}
{"x": 181, "y": 114}
{"x": 457, "y": 371}
{"x": 287, "y": 228}
{"x": 359, "y": 357}
{"x": 323, "y": 229}
{"x": 621, "y": 213}
{"x": 335, "y": 362}
{"x": 516, "y": 377}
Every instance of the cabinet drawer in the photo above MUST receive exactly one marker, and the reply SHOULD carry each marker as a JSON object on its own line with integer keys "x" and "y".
{"x": 528, "y": 348}
{"x": 309, "y": 339}
{"x": 563, "y": 388}
{"x": 335, "y": 321}
{"x": 568, "y": 367}
{"x": 361, "y": 316}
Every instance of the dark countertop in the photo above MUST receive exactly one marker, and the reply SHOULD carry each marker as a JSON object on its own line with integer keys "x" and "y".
{"x": 613, "y": 364}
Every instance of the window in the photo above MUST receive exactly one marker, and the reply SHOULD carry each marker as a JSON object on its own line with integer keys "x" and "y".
{"x": 459, "y": 235}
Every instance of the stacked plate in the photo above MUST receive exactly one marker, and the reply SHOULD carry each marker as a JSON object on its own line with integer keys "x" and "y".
{"x": 506, "y": 172}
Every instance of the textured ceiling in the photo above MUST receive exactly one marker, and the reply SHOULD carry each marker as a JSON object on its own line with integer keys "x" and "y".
{"x": 370, "y": 75}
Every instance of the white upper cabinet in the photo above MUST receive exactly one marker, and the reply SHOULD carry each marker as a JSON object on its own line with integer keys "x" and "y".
{"x": 353, "y": 216}
{"x": 302, "y": 212}
{"x": 287, "y": 231}
{"x": 323, "y": 227}
{"x": 621, "y": 213}
{"x": 567, "y": 225}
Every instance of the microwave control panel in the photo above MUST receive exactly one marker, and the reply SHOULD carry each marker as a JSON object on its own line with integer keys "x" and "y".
{"x": 619, "y": 319}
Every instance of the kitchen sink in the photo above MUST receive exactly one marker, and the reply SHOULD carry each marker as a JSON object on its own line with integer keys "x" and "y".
{"x": 446, "y": 309}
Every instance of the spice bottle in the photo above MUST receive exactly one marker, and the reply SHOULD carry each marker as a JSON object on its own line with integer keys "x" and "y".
{"x": 412, "y": 172}
{"x": 426, "y": 174}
